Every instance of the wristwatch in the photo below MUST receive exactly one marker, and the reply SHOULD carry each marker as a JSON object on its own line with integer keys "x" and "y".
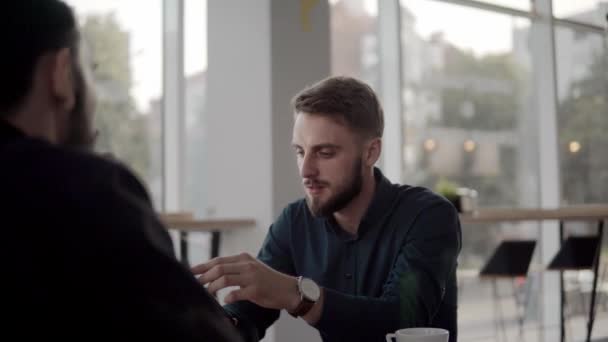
{"x": 309, "y": 295}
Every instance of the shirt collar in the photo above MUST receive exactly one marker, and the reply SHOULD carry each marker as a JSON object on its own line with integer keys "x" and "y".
{"x": 382, "y": 201}
{"x": 384, "y": 197}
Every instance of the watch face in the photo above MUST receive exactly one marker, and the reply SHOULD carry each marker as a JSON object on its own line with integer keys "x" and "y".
{"x": 310, "y": 290}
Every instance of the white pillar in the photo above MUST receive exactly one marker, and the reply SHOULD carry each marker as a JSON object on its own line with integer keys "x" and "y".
{"x": 300, "y": 57}
{"x": 238, "y": 117}
{"x": 389, "y": 33}
{"x": 260, "y": 53}
{"x": 542, "y": 46}
{"x": 173, "y": 139}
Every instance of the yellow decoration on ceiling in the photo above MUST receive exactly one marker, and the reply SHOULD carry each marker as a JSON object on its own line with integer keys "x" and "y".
{"x": 306, "y": 7}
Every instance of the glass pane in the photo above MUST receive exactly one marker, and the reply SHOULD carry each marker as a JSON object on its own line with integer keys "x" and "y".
{"x": 523, "y": 5}
{"x": 354, "y": 37}
{"x": 578, "y": 286}
{"x": 582, "y": 85}
{"x": 467, "y": 119}
{"x": 126, "y": 47}
{"x": 586, "y": 11}
{"x": 195, "y": 74}
{"x": 464, "y": 96}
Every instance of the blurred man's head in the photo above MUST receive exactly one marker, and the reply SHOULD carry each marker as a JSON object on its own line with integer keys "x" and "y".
{"x": 337, "y": 139}
{"x": 44, "y": 84}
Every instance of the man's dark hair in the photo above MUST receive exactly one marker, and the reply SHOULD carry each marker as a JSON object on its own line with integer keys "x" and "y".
{"x": 347, "y": 100}
{"x": 29, "y": 30}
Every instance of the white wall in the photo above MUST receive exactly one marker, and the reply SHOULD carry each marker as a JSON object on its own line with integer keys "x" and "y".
{"x": 300, "y": 57}
{"x": 238, "y": 117}
{"x": 260, "y": 54}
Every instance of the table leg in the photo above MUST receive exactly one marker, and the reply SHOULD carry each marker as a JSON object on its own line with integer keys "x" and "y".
{"x": 215, "y": 244}
{"x": 596, "y": 264}
{"x": 183, "y": 248}
{"x": 562, "y": 293}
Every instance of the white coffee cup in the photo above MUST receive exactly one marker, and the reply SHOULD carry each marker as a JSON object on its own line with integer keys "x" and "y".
{"x": 419, "y": 335}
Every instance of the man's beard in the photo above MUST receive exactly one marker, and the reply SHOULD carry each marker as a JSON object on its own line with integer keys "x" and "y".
{"x": 79, "y": 132}
{"x": 341, "y": 199}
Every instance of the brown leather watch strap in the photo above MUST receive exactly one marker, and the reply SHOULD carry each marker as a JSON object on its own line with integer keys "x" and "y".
{"x": 303, "y": 308}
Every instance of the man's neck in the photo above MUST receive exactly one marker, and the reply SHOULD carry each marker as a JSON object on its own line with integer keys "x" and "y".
{"x": 31, "y": 123}
{"x": 350, "y": 217}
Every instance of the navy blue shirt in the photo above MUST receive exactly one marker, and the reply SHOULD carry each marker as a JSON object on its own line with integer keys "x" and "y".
{"x": 399, "y": 270}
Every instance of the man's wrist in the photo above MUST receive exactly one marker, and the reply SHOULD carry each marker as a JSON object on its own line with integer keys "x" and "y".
{"x": 309, "y": 293}
{"x": 314, "y": 314}
{"x": 293, "y": 295}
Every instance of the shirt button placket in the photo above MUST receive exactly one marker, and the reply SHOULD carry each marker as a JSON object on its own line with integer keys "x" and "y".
{"x": 351, "y": 263}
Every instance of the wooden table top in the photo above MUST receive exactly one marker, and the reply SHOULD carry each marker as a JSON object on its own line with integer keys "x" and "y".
{"x": 187, "y": 223}
{"x": 588, "y": 212}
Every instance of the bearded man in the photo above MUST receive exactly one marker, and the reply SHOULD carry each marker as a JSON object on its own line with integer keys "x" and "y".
{"x": 358, "y": 257}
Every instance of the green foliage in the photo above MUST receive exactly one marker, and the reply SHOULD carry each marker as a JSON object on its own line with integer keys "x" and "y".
{"x": 491, "y": 85}
{"x": 583, "y": 117}
{"x": 447, "y": 189}
{"x": 122, "y": 128}
{"x": 110, "y": 48}
{"x": 492, "y": 89}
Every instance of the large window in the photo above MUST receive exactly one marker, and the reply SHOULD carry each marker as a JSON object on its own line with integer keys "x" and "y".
{"x": 582, "y": 118}
{"x": 469, "y": 116}
{"x": 127, "y": 49}
{"x": 354, "y": 39}
{"x": 584, "y": 11}
{"x": 196, "y": 145}
{"x": 136, "y": 119}
{"x": 466, "y": 115}
{"x": 464, "y": 98}
{"x": 582, "y": 85}
{"x": 523, "y": 5}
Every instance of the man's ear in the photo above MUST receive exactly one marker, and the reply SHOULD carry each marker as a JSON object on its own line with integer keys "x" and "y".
{"x": 62, "y": 78}
{"x": 372, "y": 152}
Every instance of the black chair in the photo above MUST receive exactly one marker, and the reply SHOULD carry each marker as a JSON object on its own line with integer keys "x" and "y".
{"x": 578, "y": 253}
{"x": 510, "y": 260}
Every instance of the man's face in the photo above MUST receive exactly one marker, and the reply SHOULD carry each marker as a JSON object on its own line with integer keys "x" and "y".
{"x": 79, "y": 131}
{"x": 330, "y": 162}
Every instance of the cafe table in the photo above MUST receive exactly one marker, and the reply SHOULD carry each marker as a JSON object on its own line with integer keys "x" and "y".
{"x": 597, "y": 213}
{"x": 185, "y": 223}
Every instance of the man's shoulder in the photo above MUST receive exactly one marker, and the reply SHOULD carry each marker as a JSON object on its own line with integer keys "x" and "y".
{"x": 35, "y": 163}
{"x": 29, "y": 151}
{"x": 421, "y": 198}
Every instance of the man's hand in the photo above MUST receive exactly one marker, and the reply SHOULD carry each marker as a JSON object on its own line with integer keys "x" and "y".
{"x": 258, "y": 283}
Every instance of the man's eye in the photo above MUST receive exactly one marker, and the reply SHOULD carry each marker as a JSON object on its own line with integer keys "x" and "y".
{"x": 326, "y": 154}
